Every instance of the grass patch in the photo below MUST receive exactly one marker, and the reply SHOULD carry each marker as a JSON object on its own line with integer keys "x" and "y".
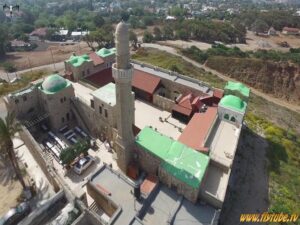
{"x": 24, "y": 81}
{"x": 283, "y": 155}
{"x": 175, "y": 63}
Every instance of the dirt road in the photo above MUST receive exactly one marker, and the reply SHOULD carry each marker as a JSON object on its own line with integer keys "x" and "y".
{"x": 173, "y": 51}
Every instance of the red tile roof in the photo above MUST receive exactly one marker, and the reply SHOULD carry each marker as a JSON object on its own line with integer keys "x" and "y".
{"x": 182, "y": 110}
{"x": 290, "y": 29}
{"x": 149, "y": 184}
{"x": 101, "y": 78}
{"x": 218, "y": 93}
{"x": 39, "y": 32}
{"x": 97, "y": 60}
{"x": 145, "y": 81}
{"x": 186, "y": 101}
{"x": 197, "y": 130}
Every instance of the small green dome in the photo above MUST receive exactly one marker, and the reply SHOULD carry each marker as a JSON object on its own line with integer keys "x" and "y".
{"x": 233, "y": 102}
{"x": 54, "y": 83}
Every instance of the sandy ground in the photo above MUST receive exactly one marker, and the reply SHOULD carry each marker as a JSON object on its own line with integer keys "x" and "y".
{"x": 248, "y": 185}
{"x": 24, "y": 60}
{"x": 253, "y": 43}
{"x": 10, "y": 189}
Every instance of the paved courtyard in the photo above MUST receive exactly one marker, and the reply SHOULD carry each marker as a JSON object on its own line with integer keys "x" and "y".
{"x": 148, "y": 115}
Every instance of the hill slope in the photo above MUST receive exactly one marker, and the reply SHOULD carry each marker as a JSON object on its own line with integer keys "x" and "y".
{"x": 282, "y": 80}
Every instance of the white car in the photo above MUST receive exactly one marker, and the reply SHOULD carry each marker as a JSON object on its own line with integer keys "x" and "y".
{"x": 83, "y": 164}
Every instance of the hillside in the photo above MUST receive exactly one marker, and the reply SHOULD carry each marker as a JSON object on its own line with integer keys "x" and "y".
{"x": 282, "y": 80}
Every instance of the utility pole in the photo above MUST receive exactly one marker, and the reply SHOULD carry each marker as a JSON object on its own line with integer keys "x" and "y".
{"x": 53, "y": 60}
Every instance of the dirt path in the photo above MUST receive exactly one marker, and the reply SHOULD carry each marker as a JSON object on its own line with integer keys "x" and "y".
{"x": 295, "y": 108}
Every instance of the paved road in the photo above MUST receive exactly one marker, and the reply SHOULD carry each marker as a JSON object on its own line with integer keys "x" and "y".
{"x": 9, "y": 76}
{"x": 173, "y": 51}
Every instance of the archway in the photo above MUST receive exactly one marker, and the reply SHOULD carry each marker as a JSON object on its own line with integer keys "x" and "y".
{"x": 226, "y": 116}
{"x": 232, "y": 119}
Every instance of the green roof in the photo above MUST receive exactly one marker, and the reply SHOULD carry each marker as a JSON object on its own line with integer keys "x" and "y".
{"x": 54, "y": 83}
{"x": 233, "y": 102}
{"x": 78, "y": 60}
{"x": 106, "y": 93}
{"x": 104, "y": 52}
{"x": 236, "y": 86}
{"x": 182, "y": 162}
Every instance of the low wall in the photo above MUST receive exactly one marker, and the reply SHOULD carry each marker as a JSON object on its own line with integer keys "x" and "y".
{"x": 163, "y": 103}
{"x": 37, "y": 154}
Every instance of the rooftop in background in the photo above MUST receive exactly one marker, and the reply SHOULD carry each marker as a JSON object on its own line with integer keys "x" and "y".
{"x": 104, "y": 52}
{"x": 186, "y": 81}
{"x": 198, "y": 129}
{"x": 180, "y": 161}
{"x": 101, "y": 78}
{"x": 54, "y": 83}
{"x": 78, "y": 60}
{"x": 169, "y": 127}
{"x": 234, "y": 103}
{"x": 106, "y": 93}
{"x": 97, "y": 60}
{"x": 145, "y": 81}
{"x": 237, "y": 86}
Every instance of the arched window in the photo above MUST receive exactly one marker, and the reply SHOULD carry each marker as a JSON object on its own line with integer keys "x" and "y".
{"x": 232, "y": 119}
{"x": 226, "y": 116}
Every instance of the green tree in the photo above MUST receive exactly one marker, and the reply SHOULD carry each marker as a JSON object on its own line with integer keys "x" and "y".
{"x": 259, "y": 26}
{"x": 98, "y": 20}
{"x": 8, "y": 128}
{"x": 148, "y": 37}
{"x": 133, "y": 38}
{"x": 157, "y": 33}
{"x": 3, "y": 41}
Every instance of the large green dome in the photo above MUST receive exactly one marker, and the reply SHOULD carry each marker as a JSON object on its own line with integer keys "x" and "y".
{"x": 54, "y": 83}
{"x": 233, "y": 102}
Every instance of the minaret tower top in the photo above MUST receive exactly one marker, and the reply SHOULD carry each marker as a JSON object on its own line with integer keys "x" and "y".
{"x": 122, "y": 46}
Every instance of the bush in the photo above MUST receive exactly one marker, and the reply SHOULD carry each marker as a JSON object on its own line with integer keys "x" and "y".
{"x": 9, "y": 67}
{"x": 69, "y": 154}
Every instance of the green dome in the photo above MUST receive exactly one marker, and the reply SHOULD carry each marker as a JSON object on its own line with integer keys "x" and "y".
{"x": 54, "y": 83}
{"x": 233, "y": 102}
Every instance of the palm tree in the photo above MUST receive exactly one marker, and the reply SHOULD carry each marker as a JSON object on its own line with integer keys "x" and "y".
{"x": 8, "y": 128}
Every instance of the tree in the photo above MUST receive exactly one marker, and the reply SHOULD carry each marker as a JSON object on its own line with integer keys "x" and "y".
{"x": 133, "y": 38}
{"x": 102, "y": 36}
{"x": 157, "y": 33}
{"x": 8, "y": 128}
{"x": 98, "y": 20}
{"x": 3, "y": 41}
{"x": 168, "y": 32}
{"x": 259, "y": 26}
{"x": 148, "y": 37}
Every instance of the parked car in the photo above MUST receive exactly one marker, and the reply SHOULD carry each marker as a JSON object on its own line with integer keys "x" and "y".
{"x": 15, "y": 215}
{"x": 83, "y": 164}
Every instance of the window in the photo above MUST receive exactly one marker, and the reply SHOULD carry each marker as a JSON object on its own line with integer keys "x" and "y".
{"x": 62, "y": 119}
{"x": 92, "y": 103}
{"x": 24, "y": 98}
{"x": 65, "y": 99}
{"x": 88, "y": 71}
{"x": 105, "y": 113}
{"x": 16, "y": 101}
{"x": 232, "y": 119}
{"x": 226, "y": 116}
{"x": 61, "y": 100}
{"x": 83, "y": 73}
{"x": 68, "y": 116}
{"x": 100, "y": 109}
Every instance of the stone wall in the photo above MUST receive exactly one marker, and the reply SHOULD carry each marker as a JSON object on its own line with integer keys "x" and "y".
{"x": 96, "y": 125}
{"x": 147, "y": 161}
{"x": 108, "y": 206}
{"x": 182, "y": 188}
{"x": 163, "y": 103}
{"x": 36, "y": 152}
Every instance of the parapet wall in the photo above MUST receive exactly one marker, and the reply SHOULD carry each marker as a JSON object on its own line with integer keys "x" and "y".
{"x": 36, "y": 152}
{"x": 163, "y": 103}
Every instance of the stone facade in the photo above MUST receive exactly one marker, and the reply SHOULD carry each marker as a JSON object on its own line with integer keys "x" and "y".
{"x": 163, "y": 103}
{"x": 228, "y": 115}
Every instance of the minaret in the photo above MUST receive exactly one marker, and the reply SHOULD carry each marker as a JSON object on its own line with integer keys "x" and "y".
{"x": 122, "y": 72}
